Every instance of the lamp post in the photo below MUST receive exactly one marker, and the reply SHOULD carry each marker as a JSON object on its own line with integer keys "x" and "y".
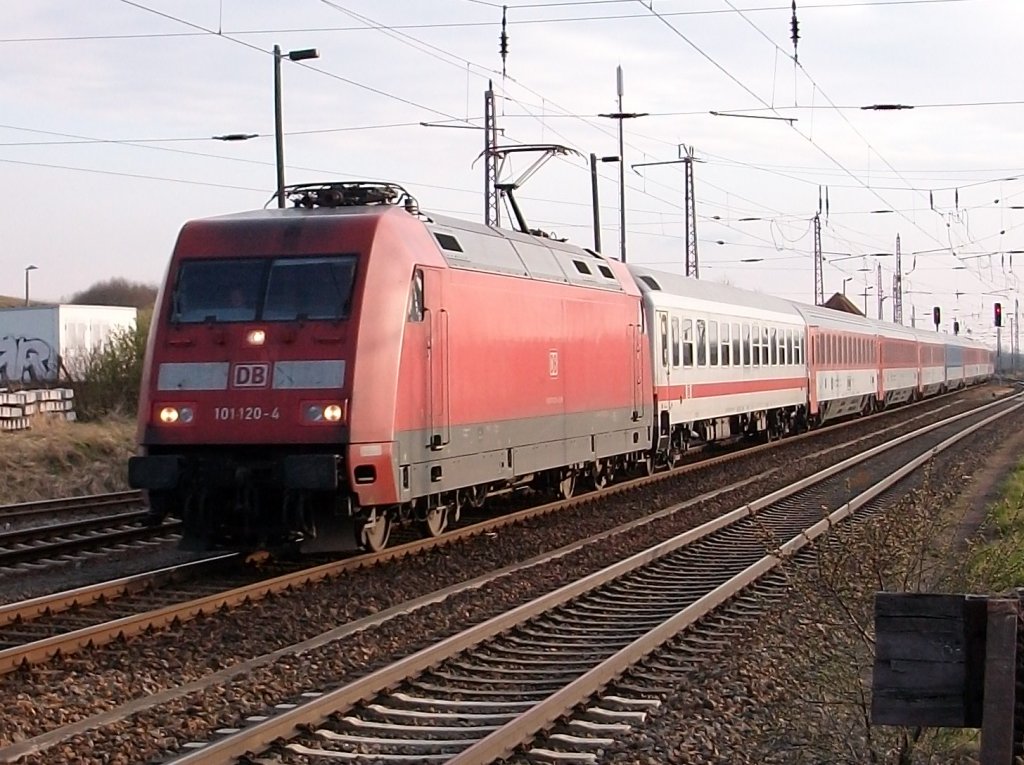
{"x": 27, "y": 269}
{"x": 594, "y": 159}
{"x": 294, "y": 55}
{"x": 847, "y": 279}
{"x": 620, "y": 116}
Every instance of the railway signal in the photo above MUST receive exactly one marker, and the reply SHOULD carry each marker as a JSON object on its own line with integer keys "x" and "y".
{"x": 936, "y": 317}
{"x": 999, "y": 315}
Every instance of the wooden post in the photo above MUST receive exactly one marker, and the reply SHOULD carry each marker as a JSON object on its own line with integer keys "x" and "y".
{"x": 1000, "y": 678}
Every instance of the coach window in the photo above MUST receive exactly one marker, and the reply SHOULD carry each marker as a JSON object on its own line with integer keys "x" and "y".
{"x": 687, "y": 342}
{"x": 726, "y": 344}
{"x": 675, "y": 341}
{"x": 789, "y": 346}
{"x": 713, "y": 343}
{"x": 663, "y": 325}
{"x": 773, "y": 345}
{"x": 737, "y": 359}
{"x": 702, "y": 345}
{"x": 416, "y": 296}
{"x": 798, "y": 356}
{"x": 755, "y": 346}
{"x": 746, "y": 345}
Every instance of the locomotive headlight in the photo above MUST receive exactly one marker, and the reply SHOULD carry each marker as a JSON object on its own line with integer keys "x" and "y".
{"x": 176, "y": 415}
{"x": 256, "y": 337}
{"x": 319, "y": 412}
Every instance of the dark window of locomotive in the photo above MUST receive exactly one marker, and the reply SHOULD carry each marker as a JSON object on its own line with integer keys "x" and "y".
{"x": 650, "y": 282}
{"x": 416, "y": 296}
{"x": 309, "y": 288}
{"x": 448, "y": 242}
{"x": 582, "y": 267}
{"x": 606, "y": 272}
{"x": 217, "y": 290}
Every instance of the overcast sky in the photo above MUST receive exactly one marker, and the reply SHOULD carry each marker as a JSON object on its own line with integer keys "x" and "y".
{"x": 109, "y": 108}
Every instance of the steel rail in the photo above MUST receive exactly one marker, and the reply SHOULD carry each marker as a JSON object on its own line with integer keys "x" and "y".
{"x": 86, "y": 502}
{"x": 24, "y": 545}
{"x": 44, "y": 650}
{"x": 284, "y": 725}
{"x": 47, "y": 605}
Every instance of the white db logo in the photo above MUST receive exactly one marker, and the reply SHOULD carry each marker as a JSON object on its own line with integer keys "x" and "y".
{"x": 250, "y": 376}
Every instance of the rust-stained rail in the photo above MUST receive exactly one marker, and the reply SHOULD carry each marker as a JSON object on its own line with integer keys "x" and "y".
{"x": 99, "y": 634}
{"x": 113, "y": 500}
{"x": 504, "y": 740}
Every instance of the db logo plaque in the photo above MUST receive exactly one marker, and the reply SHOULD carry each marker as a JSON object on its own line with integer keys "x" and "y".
{"x": 250, "y": 376}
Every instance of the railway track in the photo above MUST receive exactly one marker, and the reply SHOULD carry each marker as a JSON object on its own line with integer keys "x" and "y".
{"x": 35, "y": 631}
{"x": 489, "y": 691}
{"x": 45, "y": 544}
{"x": 48, "y": 508}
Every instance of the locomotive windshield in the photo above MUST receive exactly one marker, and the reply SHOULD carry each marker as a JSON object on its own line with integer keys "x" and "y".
{"x": 283, "y": 289}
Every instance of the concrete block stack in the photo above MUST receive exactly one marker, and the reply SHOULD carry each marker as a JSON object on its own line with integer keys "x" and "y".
{"x": 19, "y": 408}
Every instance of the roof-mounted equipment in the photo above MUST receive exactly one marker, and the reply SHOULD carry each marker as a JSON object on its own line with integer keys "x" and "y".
{"x": 350, "y": 194}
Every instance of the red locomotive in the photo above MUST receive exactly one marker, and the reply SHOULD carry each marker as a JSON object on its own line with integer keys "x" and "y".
{"x": 319, "y": 373}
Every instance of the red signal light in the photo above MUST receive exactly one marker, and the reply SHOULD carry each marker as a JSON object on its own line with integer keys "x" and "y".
{"x": 999, "y": 314}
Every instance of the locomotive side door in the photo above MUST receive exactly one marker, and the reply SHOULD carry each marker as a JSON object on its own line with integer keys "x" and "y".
{"x": 637, "y": 368}
{"x": 438, "y": 375}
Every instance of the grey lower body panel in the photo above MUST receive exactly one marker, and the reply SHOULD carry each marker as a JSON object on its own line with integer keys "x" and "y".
{"x": 501, "y": 451}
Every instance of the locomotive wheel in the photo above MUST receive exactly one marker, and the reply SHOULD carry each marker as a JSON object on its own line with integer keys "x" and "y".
{"x": 436, "y": 522}
{"x": 373, "y": 533}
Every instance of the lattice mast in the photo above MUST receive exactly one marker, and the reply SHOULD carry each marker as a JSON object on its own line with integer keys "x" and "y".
{"x": 492, "y": 195}
{"x": 692, "y": 260}
{"x": 878, "y": 286}
{"x": 819, "y": 279}
{"x": 897, "y": 286}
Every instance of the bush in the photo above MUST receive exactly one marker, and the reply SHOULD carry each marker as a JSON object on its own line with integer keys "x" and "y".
{"x": 108, "y": 380}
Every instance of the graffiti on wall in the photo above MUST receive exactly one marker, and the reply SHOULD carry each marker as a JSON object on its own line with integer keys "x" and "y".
{"x": 26, "y": 360}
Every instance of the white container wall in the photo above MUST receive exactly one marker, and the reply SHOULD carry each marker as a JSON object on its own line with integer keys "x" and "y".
{"x": 42, "y": 344}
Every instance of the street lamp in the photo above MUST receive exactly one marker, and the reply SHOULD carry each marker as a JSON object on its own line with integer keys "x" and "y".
{"x": 620, "y": 116}
{"x": 295, "y": 55}
{"x": 27, "y": 269}
{"x": 847, "y": 279}
{"x": 594, "y": 159}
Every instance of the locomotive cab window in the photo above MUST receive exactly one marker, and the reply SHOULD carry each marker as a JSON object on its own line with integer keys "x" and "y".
{"x": 250, "y": 289}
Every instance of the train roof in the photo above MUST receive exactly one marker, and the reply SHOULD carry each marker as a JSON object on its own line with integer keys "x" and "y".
{"x": 479, "y": 247}
{"x": 755, "y": 304}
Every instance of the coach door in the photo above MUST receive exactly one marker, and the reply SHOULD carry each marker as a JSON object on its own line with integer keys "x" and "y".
{"x": 438, "y": 376}
{"x": 638, "y": 370}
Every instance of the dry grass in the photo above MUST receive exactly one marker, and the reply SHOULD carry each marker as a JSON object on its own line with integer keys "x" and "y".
{"x": 62, "y": 459}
